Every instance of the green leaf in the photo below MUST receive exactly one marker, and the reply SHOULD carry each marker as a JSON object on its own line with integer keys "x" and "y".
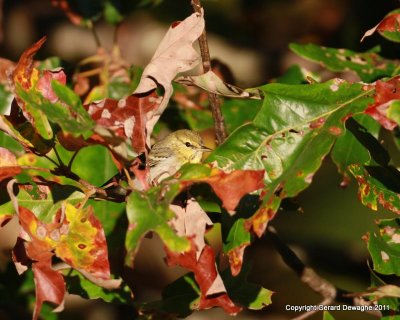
{"x": 94, "y": 164}
{"x": 372, "y": 191}
{"x": 73, "y": 101}
{"x": 238, "y": 236}
{"x": 385, "y": 247}
{"x": 293, "y": 75}
{"x": 111, "y": 13}
{"x": 5, "y": 100}
{"x": 288, "y": 138}
{"x": 247, "y": 294}
{"x": 291, "y": 134}
{"x": 150, "y": 212}
{"x": 327, "y": 316}
{"x": 235, "y": 113}
{"x": 348, "y": 149}
{"x": 44, "y": 209}
{"x": 180, "y": 297}
{"x": 9, "y": 143}
{"x": 108, "y": 213}
{"x": 368, "y": 65}
{"x": 78, "y": 284}
{"x": 393, "y": 303}
{"x": 32, "y": 101}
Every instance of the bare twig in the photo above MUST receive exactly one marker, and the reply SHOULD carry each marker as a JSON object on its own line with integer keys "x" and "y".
{"x": 315, "y": 282}
{"x": 219, "y": 125}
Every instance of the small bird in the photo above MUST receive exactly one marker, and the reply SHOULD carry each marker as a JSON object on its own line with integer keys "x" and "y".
{"x": 168, "y": 155}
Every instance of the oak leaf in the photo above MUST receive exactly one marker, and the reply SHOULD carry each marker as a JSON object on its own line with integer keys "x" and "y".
{"x": 174, "y": 54}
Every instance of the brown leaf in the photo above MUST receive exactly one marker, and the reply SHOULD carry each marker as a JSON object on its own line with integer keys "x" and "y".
{"x": 174, "y": 54}
{"x": 192, "y": 222}
{"x": 206, "y": 276}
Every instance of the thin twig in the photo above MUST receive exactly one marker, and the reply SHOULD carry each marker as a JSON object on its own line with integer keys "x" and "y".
{"x": 315, "y": 282}
{"x": 219, "y": 125}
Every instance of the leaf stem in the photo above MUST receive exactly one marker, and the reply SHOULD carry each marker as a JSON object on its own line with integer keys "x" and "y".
{"x": 219, "y": 125}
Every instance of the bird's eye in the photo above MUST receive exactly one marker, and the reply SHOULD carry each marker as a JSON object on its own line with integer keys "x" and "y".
{"x": 188, "y": 144}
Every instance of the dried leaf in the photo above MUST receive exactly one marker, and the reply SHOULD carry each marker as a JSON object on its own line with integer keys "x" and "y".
{"x": 192, "y": 222}
{"x": 174, "y": 54}
{"x": 210, "y": 82}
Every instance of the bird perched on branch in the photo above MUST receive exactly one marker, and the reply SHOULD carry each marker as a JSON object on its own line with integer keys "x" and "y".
{"x": 168, "y": 155}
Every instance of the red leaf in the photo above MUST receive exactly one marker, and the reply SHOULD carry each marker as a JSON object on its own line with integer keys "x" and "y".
{"x": 385, "y": 93}
{"x": 205, "y": 273}
{"x": 389, "y": 23}
{"x": 44, "y": 83}
{"x": 126, "y": 117}
{"x": 50, "y": 285}
{"x": 23, "y": 72}
{"x": 231, "y": 187}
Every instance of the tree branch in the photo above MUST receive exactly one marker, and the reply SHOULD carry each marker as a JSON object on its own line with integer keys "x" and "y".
{"x": 219, "y": 125}
{"x": 316, "y": 283}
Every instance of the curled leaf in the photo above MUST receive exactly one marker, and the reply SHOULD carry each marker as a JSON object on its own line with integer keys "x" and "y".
{"x": 174, "y": 54}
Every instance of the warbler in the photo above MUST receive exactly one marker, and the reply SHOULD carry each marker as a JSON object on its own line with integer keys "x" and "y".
{"x": 168, "y": 155}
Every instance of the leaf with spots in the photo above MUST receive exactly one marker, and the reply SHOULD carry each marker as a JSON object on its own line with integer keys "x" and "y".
{"x": 377, "y": 185}
{"x": 369, "y": 66}
{"x": 289, "y": 137}
{"x": 384, "y": 247}
{"x": 389, "y": 27}
{"x": 32, "y": 250}
{"x": 126, "y": 117}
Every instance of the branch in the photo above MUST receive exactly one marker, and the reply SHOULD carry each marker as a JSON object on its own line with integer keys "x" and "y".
{"x": 219, "y": 125}
{"x": 316, "y": 283}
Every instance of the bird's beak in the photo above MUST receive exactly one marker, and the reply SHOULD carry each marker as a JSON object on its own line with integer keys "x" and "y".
{"x": 205, "y": 149}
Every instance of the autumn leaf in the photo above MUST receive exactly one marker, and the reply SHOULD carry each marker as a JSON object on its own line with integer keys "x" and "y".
{"x": 126, "y": 117}
{"x": 230, "y": 187}
{"x": 76, "y": 237}
{"x": 174, "y": 54}
{"x": 386, "y": 93}
{"x": 206, "y": 276}
{"x": 191, "y": 221}
{"x": 8, "y": 164}
{"x": 388, "y": 27}
{"x": 32, "y": 249}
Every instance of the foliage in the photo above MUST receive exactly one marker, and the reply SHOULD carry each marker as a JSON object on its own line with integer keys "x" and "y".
{"x": 71, "y": 166}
